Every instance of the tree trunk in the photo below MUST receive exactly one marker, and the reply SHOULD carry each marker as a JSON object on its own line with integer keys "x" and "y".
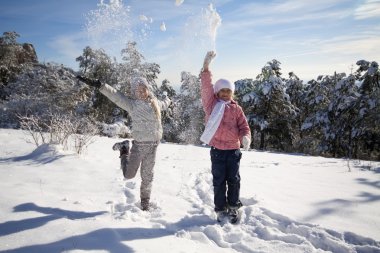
{"x": 262, "y": 140}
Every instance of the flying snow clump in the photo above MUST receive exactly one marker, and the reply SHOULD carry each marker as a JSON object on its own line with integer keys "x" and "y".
{"x": 163, "y": 27}
{"x": 178, "y": 2}
{"x": 143, "y": 18}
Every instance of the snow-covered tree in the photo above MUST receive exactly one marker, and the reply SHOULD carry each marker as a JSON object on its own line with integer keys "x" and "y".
{"x": 314, "y": 109}
{"x": 250, "y": 88}
{"x": 165, "y": 86}
{"x": 188, "y": 115}
{"x": 97, "y": 64}
{"x": 168, "y": 122}
{"x": 43, "y": 89}
{"x": 270, "y": 112}
{"x": 13, "y": 58}
{"x": 367, "y": 131}
{"x": 341, "y": 114}
{"x": 134, "y": 65}
{"x": 296, "y": 91}
{"x": 342, "y": 118}
{"x": 8, "y": 54}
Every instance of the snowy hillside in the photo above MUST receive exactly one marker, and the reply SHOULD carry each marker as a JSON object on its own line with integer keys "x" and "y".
{"x": 57, "y": 201}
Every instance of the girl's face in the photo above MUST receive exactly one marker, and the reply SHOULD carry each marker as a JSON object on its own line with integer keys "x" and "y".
{"x": 142, "y": 92}
{"x": 225, "y": 94}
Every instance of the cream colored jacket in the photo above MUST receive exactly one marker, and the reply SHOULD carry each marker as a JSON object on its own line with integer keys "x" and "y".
{"x": 145, "y": 124}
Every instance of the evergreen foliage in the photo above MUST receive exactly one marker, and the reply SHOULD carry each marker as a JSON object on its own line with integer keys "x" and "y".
{"x": 187, "y": 122}
{"x": 269, "y": 110}
{"x": 13, "y": 58}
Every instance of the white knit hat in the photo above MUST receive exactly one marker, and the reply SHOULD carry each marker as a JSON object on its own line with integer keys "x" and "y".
{"x": 222, "y": 84}
{"x": 136, "y": 81}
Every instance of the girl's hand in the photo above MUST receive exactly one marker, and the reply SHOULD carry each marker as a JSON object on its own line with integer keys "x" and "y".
{"x": 91, "y": 82}
{"x": 246, "y": 142}
{"x": 208, "y": 58}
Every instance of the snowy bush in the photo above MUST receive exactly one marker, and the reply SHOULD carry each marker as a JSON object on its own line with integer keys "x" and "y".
{"x": 59, "y": 129}
{"x": 43, "y": 89}
{"x": 117, "y": 129}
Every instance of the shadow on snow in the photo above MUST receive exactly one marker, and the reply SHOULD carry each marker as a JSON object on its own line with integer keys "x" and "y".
{"x": 43, "y": 154}
{"x": 11, "y": 227}
{"x": 109, "y": 239}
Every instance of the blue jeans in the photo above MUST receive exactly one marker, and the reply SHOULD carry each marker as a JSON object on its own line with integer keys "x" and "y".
{"x": 226, "y": 177}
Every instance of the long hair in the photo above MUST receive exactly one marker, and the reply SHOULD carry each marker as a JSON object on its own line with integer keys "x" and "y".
{"x": 154, "y": 104}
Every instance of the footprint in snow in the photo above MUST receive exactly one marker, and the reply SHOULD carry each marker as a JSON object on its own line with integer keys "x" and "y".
{"x": 260, "y": 230}
{"x": 129, "y": 192}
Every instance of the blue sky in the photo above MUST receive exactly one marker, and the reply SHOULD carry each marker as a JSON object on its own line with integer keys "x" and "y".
{"x": 307, "y": 37}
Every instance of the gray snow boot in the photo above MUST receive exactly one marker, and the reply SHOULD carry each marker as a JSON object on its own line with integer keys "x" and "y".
{"x": 221, "y": 215}
{"x": 234, "y": 214}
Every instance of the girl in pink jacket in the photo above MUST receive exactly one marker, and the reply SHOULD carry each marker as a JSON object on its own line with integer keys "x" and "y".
{"x": 226, "y": 129}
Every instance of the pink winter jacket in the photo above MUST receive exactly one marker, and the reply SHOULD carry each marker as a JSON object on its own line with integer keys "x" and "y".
{"x": 234, "y": 124}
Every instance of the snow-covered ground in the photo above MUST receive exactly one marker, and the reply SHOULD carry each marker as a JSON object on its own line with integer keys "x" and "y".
{"x": 56, "y": 201}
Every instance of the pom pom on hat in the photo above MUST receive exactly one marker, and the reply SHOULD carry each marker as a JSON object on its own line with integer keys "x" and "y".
{"x": 222, "y": 84}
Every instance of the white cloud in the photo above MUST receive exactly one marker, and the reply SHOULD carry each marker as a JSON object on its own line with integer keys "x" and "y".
{"x": 252, "y": 17}
{"x": 369, "y": 9}
{"x": 365, "y": 46}
{"x": 288, "y": 8}
{"x": 68, "y": 47}
{"x": 65, "y": 46}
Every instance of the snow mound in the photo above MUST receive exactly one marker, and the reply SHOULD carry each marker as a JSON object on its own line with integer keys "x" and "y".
{"x": 45, "y": 153}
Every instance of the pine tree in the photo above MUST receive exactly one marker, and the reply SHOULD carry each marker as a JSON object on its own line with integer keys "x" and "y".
{"x": 269, "y": 110}
{"x": 367, "y": 135}
{"x": 168, "y": 121}
{"x": 188, "y": 111}
{"x": 296, "y": 91}
{"x": 98, "y": 65}
{"x": 315, "y": 103}
{"x": 342, "y": 117}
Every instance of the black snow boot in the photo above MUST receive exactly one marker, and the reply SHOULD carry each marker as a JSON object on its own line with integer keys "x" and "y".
{"x": 123, "y": 147}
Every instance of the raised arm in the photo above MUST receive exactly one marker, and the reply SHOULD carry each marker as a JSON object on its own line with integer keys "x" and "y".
{"x": 111, "y": 93}
{"x": 207, "y": 89}
{"x": 208, "y": 58}
{"x": 116, "y": 97}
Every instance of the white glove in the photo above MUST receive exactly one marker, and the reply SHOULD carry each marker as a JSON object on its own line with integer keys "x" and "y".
{"x": 246, "y": 142}
{"x": 208, "y": 58}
